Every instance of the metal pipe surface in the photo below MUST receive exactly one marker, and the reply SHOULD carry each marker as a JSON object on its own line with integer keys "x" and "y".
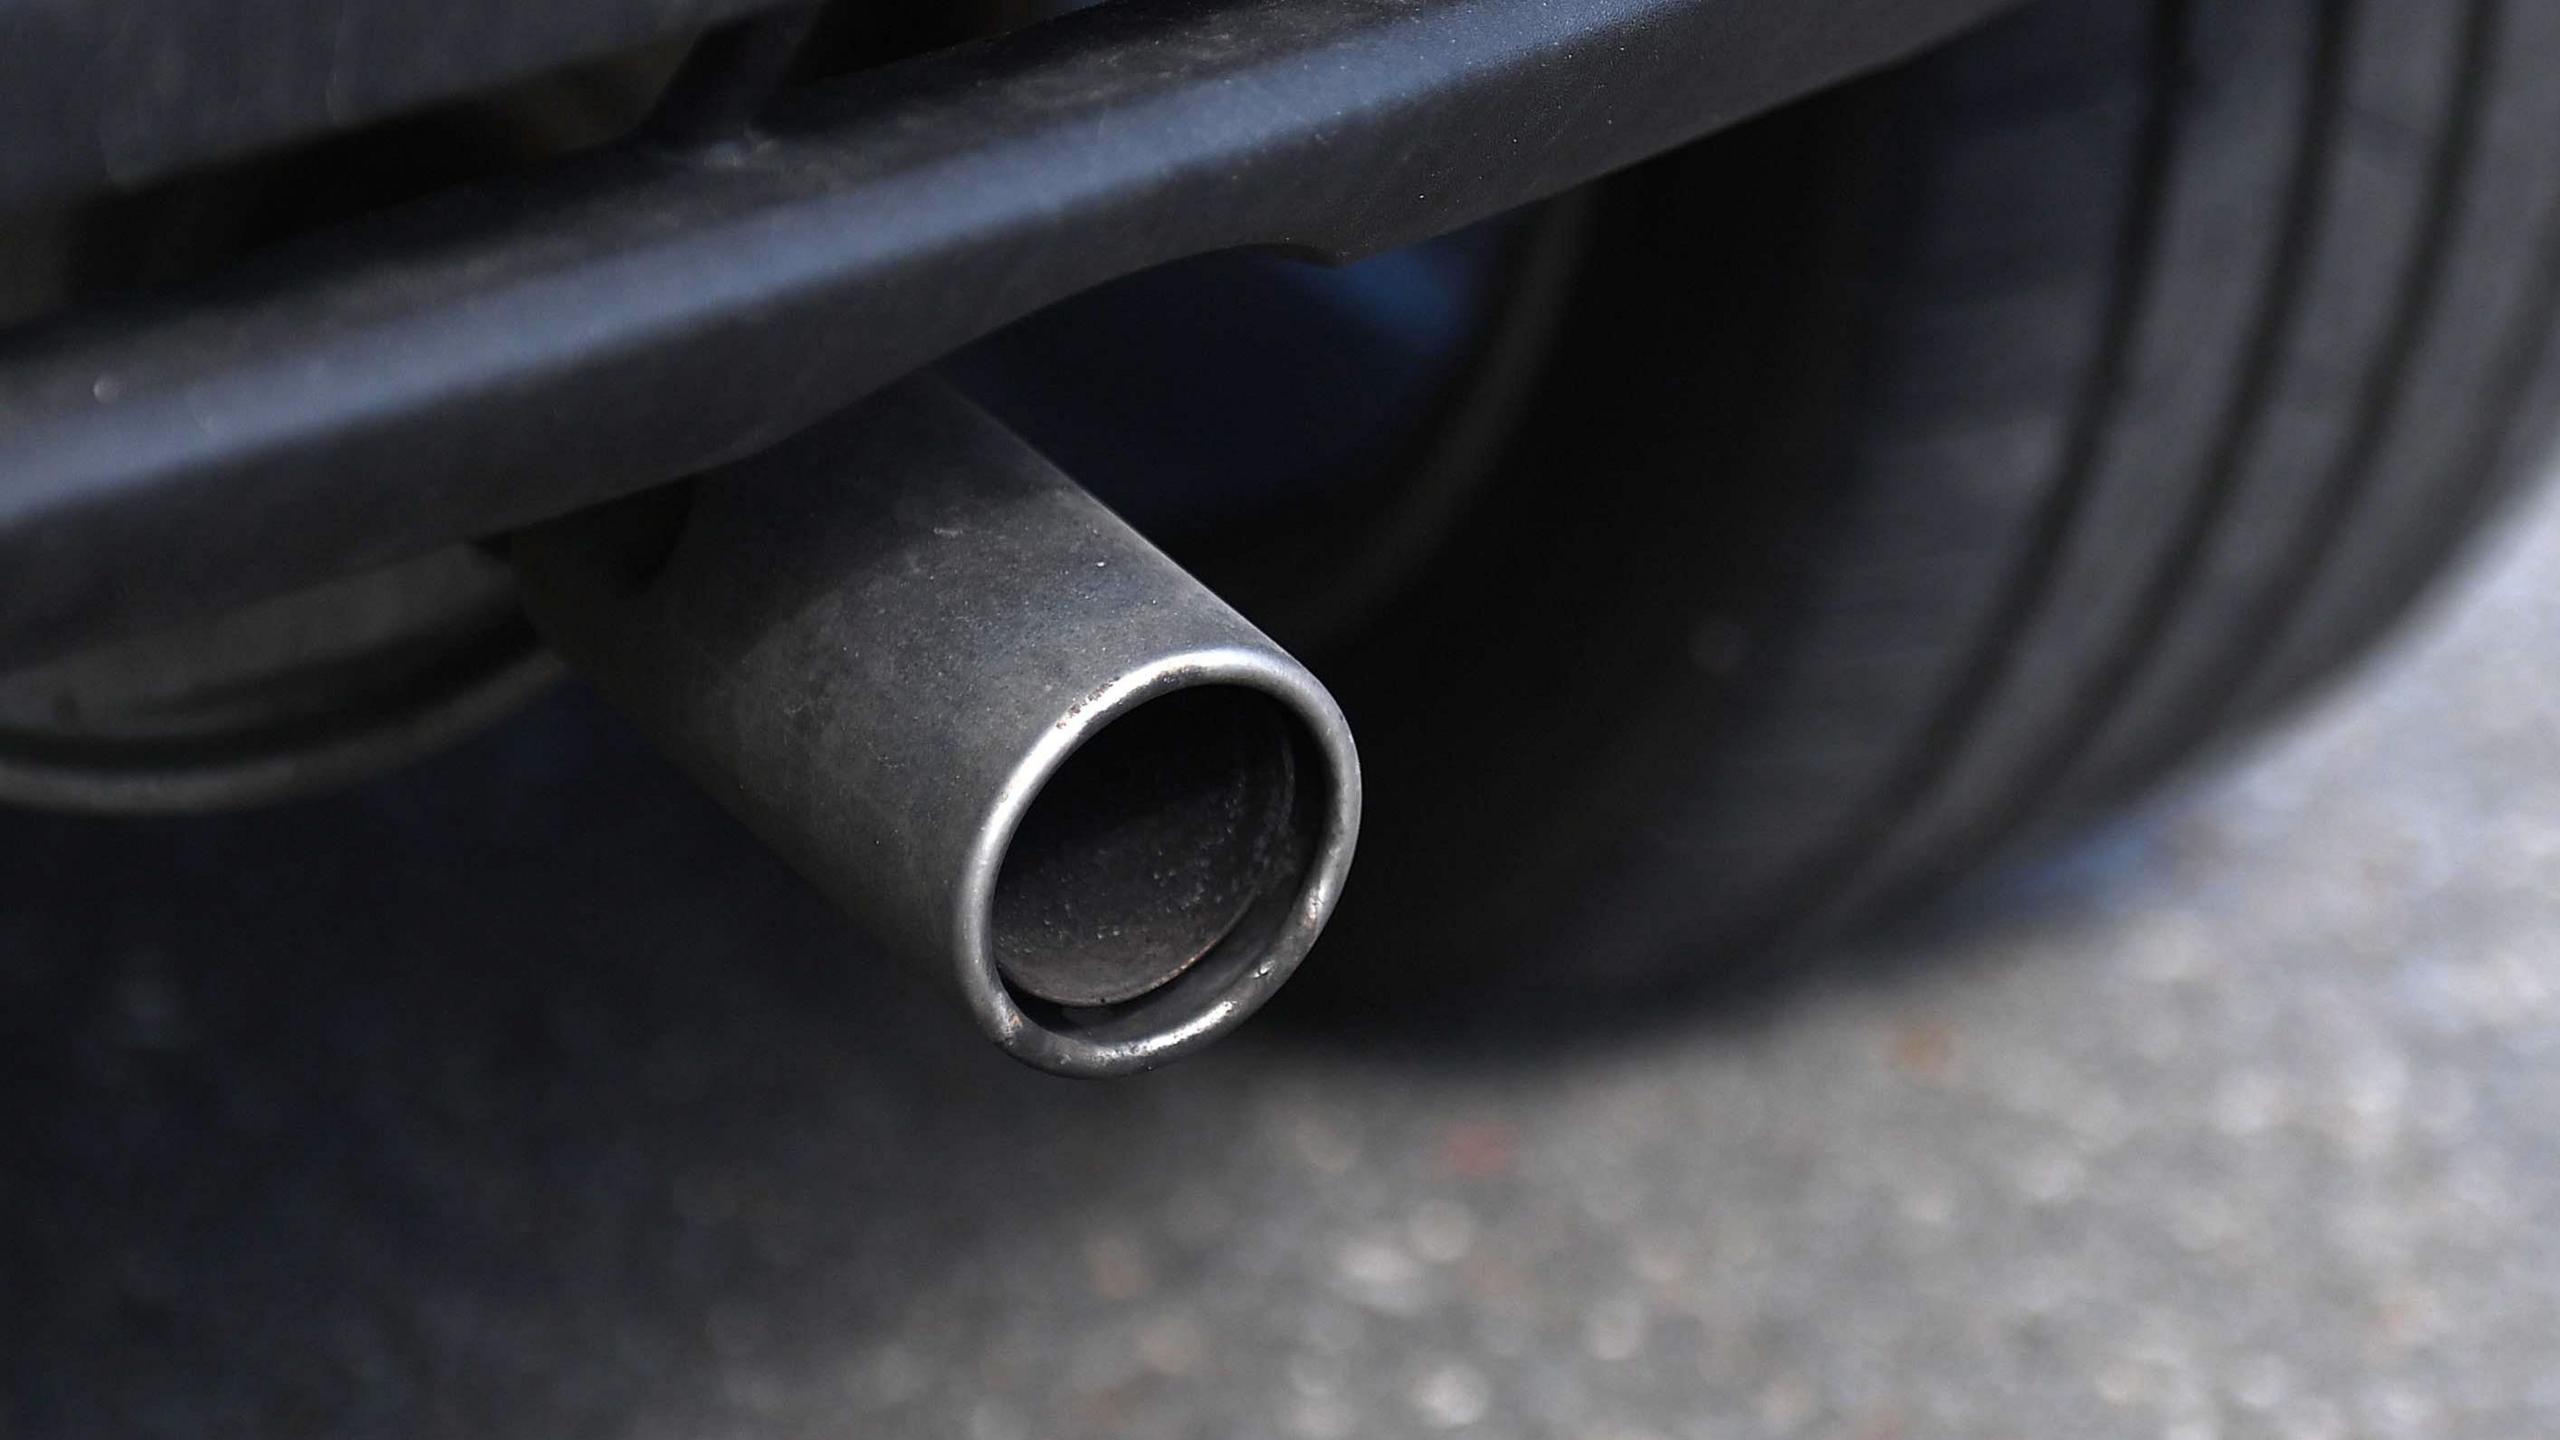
{"x": 983, "y": 714}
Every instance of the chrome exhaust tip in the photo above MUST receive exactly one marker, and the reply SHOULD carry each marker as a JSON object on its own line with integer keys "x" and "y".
{"x": 1159, "y": 863}
{"x": 986, "y": 716}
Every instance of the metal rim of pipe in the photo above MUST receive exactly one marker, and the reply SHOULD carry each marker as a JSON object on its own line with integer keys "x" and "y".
{"x": 1246, "y": 965}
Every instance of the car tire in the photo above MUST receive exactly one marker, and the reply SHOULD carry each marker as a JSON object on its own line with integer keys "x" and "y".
{"x": 1939, "y": 463}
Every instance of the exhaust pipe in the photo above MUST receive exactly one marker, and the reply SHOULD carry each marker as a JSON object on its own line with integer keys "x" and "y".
{"x": 984, "y": 715}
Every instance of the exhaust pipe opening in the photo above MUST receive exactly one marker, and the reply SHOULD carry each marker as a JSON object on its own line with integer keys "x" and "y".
{"x": 1153, "y": 876}
{"x": 1148, "y": 846}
